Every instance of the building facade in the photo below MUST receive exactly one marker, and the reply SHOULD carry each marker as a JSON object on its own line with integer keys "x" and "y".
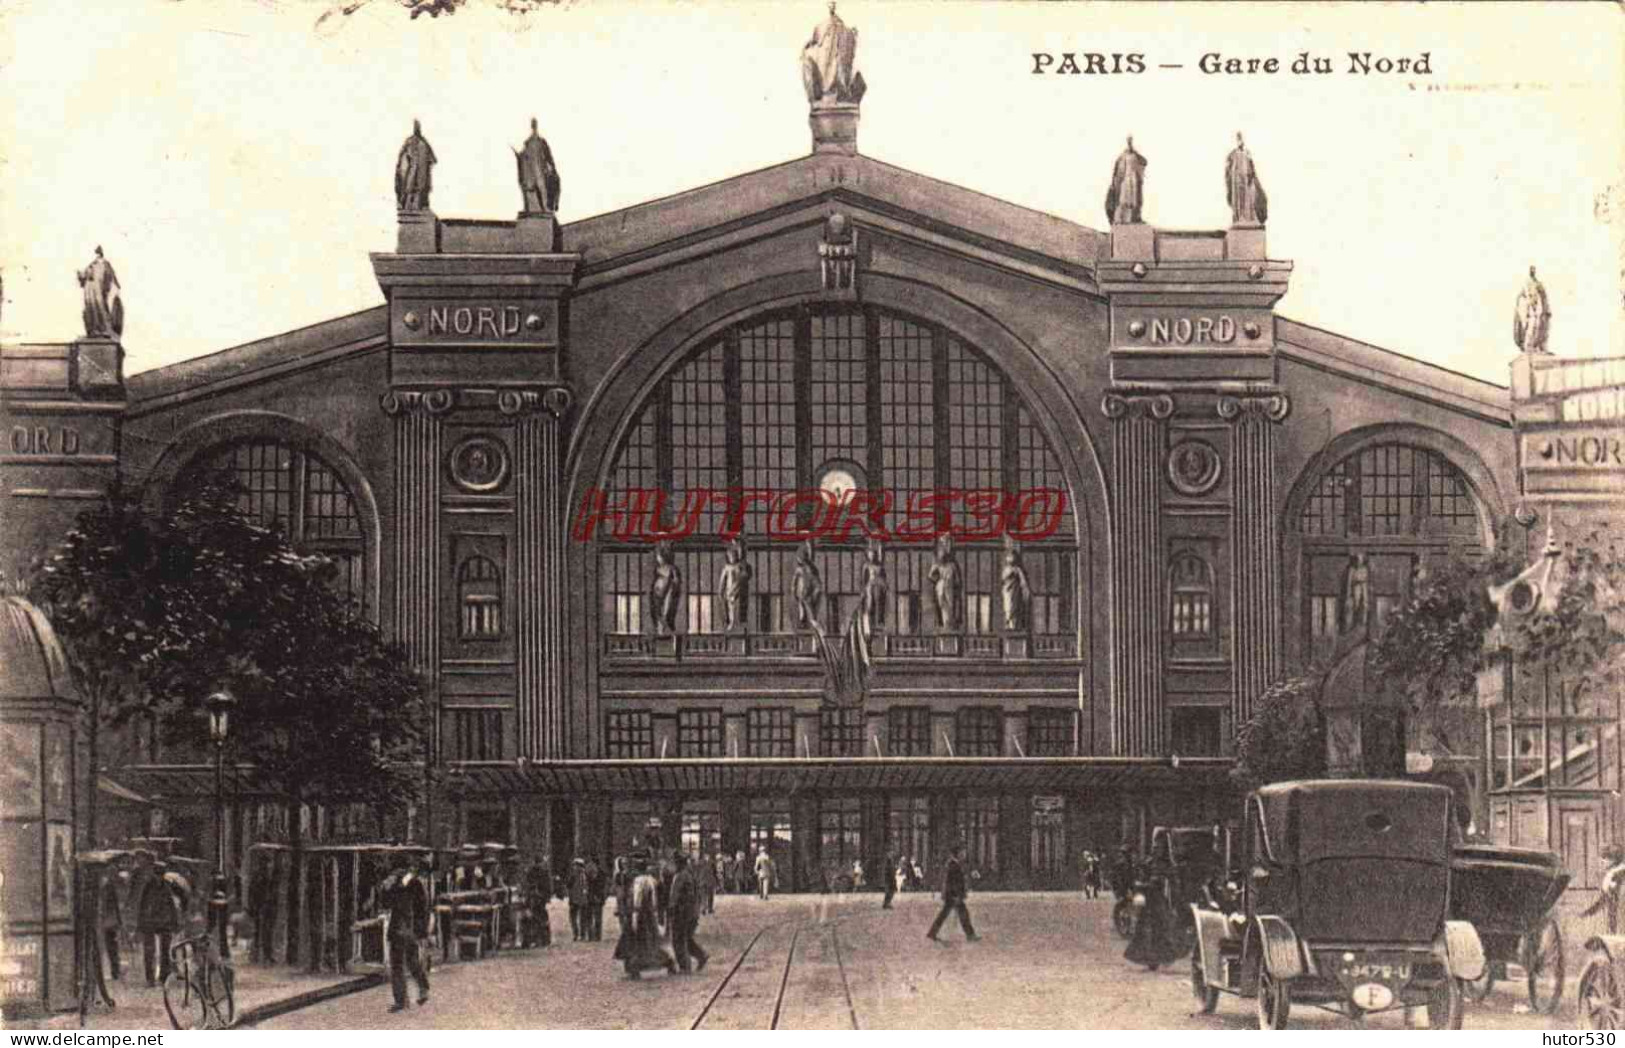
{"x": 544, "y": 460}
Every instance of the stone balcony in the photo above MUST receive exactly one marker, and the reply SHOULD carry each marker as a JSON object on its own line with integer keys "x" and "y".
{"x": 631, "y": 647}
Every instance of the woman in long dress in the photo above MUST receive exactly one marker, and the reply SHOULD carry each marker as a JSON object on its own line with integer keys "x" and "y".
{"x": 640, "y": 948}
{"x": 1155, "y": 943}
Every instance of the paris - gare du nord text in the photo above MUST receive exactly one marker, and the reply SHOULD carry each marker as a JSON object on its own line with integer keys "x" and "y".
{"x": 1090, "y": 496}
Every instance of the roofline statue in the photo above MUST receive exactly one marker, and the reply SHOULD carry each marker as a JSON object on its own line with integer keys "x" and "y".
{"x": 1127, "y": 192}
{"x": 414, "y": 172}
{"x": 538, "y": 176}
{"x": 1532, "y": 320}
{"x": 104, "y": 309}
{"x": 827, "y": 64}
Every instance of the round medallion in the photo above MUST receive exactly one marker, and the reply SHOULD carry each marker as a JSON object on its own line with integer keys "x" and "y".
{"x": 1136, "y": 328}
{"x": 412, "y": 320}
{"x": 1193, "y": 467}
{"x": 479, "y": 464}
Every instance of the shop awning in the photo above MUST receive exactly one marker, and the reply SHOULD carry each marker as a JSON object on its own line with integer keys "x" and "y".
{"x": 775, "y": 776}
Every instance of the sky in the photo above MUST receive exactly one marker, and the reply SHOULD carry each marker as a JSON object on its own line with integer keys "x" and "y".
{"x": 235, "y": 158}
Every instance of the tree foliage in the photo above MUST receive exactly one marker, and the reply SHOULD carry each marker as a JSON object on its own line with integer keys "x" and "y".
{"x": 1286, "y": 736}
{"x": 159, "y": 609}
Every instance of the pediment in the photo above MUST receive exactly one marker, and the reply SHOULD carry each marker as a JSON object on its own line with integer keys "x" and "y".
{"x": 890, "y": 199}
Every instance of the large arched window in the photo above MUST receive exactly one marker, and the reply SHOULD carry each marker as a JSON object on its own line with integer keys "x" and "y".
{"x": 832, "y": 398}
{"x": 1369, "y": 525}
{"x": 295, "y": 491}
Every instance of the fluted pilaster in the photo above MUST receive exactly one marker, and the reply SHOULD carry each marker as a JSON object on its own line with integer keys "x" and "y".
{"x": 417, "y": 526}
{"x": 541, "y": 705}
{"x": 1139, "y": 446}
{"x": 1255, "y": 540}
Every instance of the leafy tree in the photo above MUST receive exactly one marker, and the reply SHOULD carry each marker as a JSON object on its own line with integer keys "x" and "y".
{"x": 1286, "y": 736}
{"x": 159, "y": 609}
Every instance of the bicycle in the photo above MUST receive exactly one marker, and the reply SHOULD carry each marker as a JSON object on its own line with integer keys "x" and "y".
{"x": 198, "y": 991}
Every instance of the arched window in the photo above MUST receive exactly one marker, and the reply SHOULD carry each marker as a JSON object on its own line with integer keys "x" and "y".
{"x": 1190, "y": 600}
{"x": 782, "y": 402}
{"x": 479, "y": 592}
{"x": 296, "y": 492}
{"x": 1370, "y": 525}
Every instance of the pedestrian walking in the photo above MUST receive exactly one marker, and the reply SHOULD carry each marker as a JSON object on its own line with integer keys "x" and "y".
{"x": 597, "y": 892}
{"x": 741, "y": 874}
{"x": 111, "y": 919}
{"x": 406, "y": 901}
{"x": 888, "y": 877}
{"x": 639, "y": 949}
{"x": 537, "y": 883}
{"x": 705, "y": 875}
{"x": 579, "y": 894}
{"x": 764, "y": 874}
{"x": 1154, "y": 944}
{"x": 165, "y": 898}
{"x": 685, "y": 918}
{"x": 955, "y": 889}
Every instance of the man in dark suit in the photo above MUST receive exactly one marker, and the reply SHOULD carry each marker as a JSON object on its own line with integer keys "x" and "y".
{"x": 597, "y": 892}
{"x": 580, "y": 895}
{"x": 888, "y": 877}
{"x": 406, "y": 899}
{"x": 538, "y": 887}
{"x": 954, "y": 890}
{"x": 685, "y": 916}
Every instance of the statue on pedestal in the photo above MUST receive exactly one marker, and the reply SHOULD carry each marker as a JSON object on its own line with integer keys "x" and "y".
{"x": 413, "y": 172}
{"x": 875, "y": 588}
{"x": 1242, "y": 190}
{"x": 1127, "y": 192}
{"x": 666, "y": 591}
{"x": 1356, "y": 592}
{"x": 734, "y": 584}
{"x": 538, "y": 178}
{"x": 807, "y": 587}
{"x": 1018, "y": 593}
{"x": 826, "y": 64}
{"x": 949, "y": 581}
{"x": 1532, "y": 320}
{"x": 104, "y": 309}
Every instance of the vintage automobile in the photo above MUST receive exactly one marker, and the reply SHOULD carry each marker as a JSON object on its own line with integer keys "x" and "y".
{"x": 1345, "y": 906}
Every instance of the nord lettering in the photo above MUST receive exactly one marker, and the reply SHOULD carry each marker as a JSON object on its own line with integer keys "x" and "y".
{"x": 479, "y": 322}
{"x": 42, "y": 440}
{"x": 1188, "y": 331}
{"x": 1589, "y": 451}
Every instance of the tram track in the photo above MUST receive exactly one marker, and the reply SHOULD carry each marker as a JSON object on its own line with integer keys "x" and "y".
{"x": 739, "y": 1000}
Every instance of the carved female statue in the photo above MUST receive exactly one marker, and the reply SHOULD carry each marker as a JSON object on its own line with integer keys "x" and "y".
{"x": 666, "y": 591}
{"x": 1127, "y": 191}
{"x": 734, "y": 584}
{"x": 807, "y": 587}
{"x": 1242, "y": 189}
{"x": 414, "y": 172}
{"x": 949, "y": 581}
{"x": 1356, "y": 592}
{"x": 104, "y": 309}
{"x": 1533, "y": 318}
{"x": 1018, "y": 595}
{"x": 875, "y": 589}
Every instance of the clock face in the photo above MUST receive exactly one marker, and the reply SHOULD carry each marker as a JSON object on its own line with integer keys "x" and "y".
{"x": 838, "y": 483}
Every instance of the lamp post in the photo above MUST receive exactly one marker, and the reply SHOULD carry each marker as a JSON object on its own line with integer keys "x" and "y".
{"x": 220, "y": 705}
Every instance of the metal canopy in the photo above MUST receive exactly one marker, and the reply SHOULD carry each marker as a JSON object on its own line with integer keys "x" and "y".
{"x": 788, "y": 775}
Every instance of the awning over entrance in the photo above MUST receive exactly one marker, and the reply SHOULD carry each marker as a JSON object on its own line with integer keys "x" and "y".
{"x": 722, "y": 775}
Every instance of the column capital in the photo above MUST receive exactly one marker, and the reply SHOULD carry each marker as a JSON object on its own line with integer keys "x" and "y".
{"x": 1121, "y": 405}
{"x": 555, "y": 400}
{"x": 1274, "y": 407}
{"x": 407, "y": 402}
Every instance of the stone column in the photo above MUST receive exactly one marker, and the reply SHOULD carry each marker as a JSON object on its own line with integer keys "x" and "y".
{"x": 1256, "y": 546}
{"x": 541, "y": 707}
{"x": 418, "y": 418}
{"x": 1139, "y": 446}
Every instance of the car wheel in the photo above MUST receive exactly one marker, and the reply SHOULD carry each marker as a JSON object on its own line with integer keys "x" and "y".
{"x": 1274, "y": 1002}
{"x": 1479, "y": 989}
{"x": 1445, "y": 1005}
{"x": 1601, "y": 1006}
{"x": 1207, "y": 998}
{"x": 1543, "y": 960}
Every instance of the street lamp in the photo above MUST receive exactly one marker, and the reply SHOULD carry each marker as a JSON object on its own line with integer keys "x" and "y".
{"x": 219, "y": 705}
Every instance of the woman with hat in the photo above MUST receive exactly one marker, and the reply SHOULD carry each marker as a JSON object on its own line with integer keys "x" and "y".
{"x": 640, "y": 948}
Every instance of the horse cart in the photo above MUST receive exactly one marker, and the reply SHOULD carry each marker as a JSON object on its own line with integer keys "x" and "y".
{"x": 1508, "y": 895}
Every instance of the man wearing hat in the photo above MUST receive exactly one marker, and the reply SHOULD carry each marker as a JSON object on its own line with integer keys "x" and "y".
{"x": 580, "y": 898}
{"x": 641, "y": 947}
{"x": 685, "y": 916}
{"x": 406, "y": 901}
{"x": 538, "y": 885}
{"x": 954, "y": 890}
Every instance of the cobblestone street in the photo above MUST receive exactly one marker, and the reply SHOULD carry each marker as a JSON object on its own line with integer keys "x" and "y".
{"x": 828, "y": 962}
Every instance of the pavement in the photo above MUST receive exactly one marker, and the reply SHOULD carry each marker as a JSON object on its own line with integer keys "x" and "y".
{"x": 1044, "y": 961}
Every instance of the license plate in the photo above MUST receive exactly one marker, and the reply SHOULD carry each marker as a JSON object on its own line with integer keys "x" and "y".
{"x": 1388, "y": 973}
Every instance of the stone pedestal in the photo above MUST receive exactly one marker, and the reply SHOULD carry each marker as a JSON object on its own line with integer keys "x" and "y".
{"x": 538, "y": 231}
{"x": 949, "y": 643}
{"x": 417, "y": 233}
{"x": 1134, "y": 243}
{"x": 665, "y": 646}
{"x": 834, "y": 128}
{"x": 1244, "y": 243}
{"x": 1017, "y": 647}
